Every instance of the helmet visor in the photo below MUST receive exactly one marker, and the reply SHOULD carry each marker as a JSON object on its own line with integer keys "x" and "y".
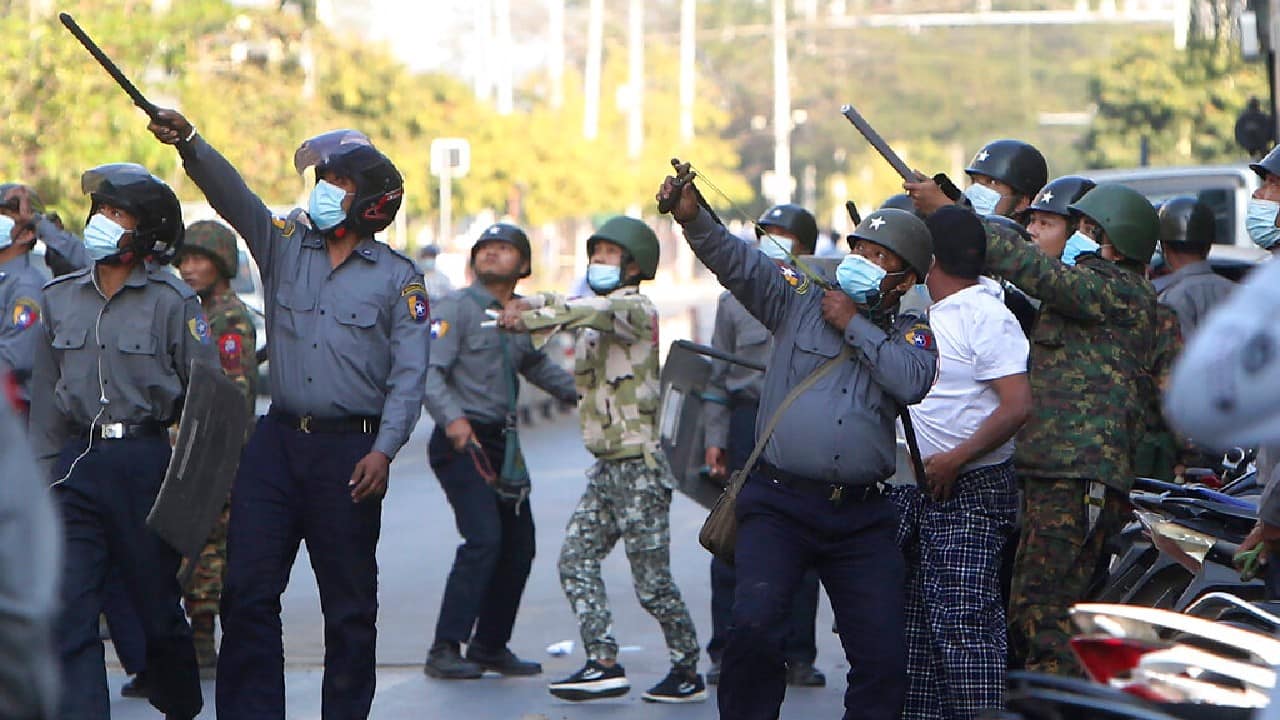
{"x": 318, "y": 150}
{"x": 116, "y": 175}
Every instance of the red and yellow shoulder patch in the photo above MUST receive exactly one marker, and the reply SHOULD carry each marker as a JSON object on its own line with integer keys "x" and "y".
{"x": 26, "y": 312}
{"x": 920, "y": 335}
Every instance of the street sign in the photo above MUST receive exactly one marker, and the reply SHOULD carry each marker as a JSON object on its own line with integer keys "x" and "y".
{"x": 450, "y": 157}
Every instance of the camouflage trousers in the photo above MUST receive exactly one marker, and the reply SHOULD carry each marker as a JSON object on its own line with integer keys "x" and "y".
{"x": 1058, "y": 555}
{"x": 205, "y": 590}
{"x": 628, "y": 500}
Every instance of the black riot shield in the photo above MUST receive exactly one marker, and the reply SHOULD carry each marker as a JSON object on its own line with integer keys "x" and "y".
{"x": 206, "y": 455}
{"x": 684, "y": 381}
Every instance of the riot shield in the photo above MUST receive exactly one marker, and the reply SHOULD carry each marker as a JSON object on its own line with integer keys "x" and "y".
{"x": 205, "y": 457}
{"x": 680, "y": 430}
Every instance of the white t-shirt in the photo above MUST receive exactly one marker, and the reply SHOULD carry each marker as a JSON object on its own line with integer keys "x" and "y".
{"x": 978, "y": 340}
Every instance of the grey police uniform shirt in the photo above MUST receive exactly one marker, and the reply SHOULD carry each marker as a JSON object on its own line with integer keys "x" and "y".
{"x": 20, "y": 289}
{"x": 738, "y": 333}
{"x": 464, "y": 377}
{"x": 841, "y": 430}
{"x": 1192, "y": 292}
{"x": 134, "y": 350}
{"x": 345, "y": 341}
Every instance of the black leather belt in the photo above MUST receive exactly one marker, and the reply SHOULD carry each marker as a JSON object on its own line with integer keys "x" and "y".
{"x": 361, "y": 424}
{"x": 836, "y": 493}
{"x": 123, "y": 430}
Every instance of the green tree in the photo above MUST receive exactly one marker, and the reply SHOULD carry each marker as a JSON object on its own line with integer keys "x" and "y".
{"x": 1184, "y": 102}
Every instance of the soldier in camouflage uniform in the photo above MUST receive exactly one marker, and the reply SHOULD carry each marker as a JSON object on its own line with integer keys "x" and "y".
{"x": 208, "y": 261}
{"x": 1097, "y": 332}
{"x": 629, "y": 487}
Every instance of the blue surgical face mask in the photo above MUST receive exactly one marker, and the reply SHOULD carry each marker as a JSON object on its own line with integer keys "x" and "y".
{"x": 6, "y": 231}
{"x": 775, "y": 247}
{"x": 1261, "y": 223}
{"x": 859, "y": 277}
{"x": 923, "y": 291}
{"x": 983, "y": 198}
{"x": 325, "y": 205}
{"x": 1078, "y": 244}
{"x": 102, "y": 237}
{"x": 603, "y": 279}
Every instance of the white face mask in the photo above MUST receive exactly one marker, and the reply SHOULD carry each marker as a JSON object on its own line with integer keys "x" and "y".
{"x": 775, "y": 247}
{"x": 6, "y": 231}
{"x": 983, "y": 199}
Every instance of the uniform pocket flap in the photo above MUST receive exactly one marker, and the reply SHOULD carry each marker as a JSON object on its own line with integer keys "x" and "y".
{"x": 137, "y": 342}
{"x": 293, "y": 298}
{"x": 69, "y": 338}
{"x": 363, "y": 315}
{"x": 828, "y": 346}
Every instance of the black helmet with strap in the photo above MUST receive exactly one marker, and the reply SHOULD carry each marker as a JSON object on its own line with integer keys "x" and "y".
{"x": 509, "y": 234}
{"x": 1015, "y": 163}
{"x": 379, "y": 186}
{"x": 1057, "y": 196}
{"x": 152, "y": 203}
{"x": 1186, "y": 224}
{"x": 795, "y": 220}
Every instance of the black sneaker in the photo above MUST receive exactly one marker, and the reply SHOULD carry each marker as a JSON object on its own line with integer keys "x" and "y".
{"x": 679, "y": 686}
{"x": 802, "y": 674}
{"x": 137, "y": 687}
{"x": 446, "y": 663}
{"x": 593, "y": 682}
{"x": 713, "y": 673}
{"x": 502, "y": 661}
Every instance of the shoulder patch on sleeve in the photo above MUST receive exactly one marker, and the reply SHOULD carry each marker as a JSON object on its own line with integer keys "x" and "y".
{"x": 411, "y": 288}
{"x": 796, "y": 279}
{"x": 920, "y": 335}
{"x": 439, "y": 328}
{"x": 26, "y": 312}
{"x": 418, "y": 305}
{"x": 199, "y": 328}
{"x": 231, "y": 352}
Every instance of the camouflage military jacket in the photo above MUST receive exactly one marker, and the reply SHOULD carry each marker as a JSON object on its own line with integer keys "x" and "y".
{"x": 231, "y": 327}
{"x": 1093, "y": 343}
{"x": 615, "y": 366}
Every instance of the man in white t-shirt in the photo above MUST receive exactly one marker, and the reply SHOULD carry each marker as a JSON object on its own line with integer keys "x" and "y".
{"x": 955, "y": 523}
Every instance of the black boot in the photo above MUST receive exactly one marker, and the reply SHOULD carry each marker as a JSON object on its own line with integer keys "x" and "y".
{"x": 445, "y": 662}
{"x": 502, "y": 661}
{"x": 137, "y": 687}
{"x": 803, "y": 674}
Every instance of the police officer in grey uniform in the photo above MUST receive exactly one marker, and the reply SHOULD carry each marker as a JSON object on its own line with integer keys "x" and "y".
{"x": 729, "y": 416}
{"x": 1187, "y": 229}
{"x": 20, "y": 285}
{"x": 110, "y": 375}
{"x": 347, "y": 324}
{"x": 816, "y": 500}
{"x": 471, "y": 386}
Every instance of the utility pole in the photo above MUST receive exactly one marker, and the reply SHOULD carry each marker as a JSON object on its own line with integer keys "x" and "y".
{"x": 635, "y": 80}
{"x": 781, "y": 106}
{"x": 595, "y": 48}
{"x": 502, "y": 44}
{"x": 482, "y": 53}
{"x": 688, "y": 36}
{"x": 555, "y": 60}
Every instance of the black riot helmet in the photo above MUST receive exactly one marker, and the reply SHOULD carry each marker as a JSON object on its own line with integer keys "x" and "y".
{"x": 133, "y": 188}
{"x": 901, "y": 201}
{"x": 795, "y": 220}
{"x": 350, "y": 154}
{"x": 1014, "y": 163}
{"x": 509, "y": 234}
{"x": 1060, "y": 193}
{"x": 1269, "y": 165}
{"x": 1186, "y": 225}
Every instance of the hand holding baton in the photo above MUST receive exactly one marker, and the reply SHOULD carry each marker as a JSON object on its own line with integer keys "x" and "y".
{"x": 895, "y": 161}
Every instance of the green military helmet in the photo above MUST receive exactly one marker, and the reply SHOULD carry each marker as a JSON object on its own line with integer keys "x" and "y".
{"x": 216, "y": 241}
{"x": 634, "y": 236}
{"x": 1126, "y": 216}
{"x": 903, "y": 233}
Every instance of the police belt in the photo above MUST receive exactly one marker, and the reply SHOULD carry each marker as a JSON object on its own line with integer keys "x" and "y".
{"x": 122, "y": 430}
{"x": 837, "y": 493}
{"x": 352, "y": 424}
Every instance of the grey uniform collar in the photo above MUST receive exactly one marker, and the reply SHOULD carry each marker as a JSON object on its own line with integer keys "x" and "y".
{"x": 137, "y": 276}
{"x": 368, "y": 249}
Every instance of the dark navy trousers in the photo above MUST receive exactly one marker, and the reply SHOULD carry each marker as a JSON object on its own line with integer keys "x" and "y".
{"x": 781, "y": 535}
{"x": 127, "y": 635}
{"x": 801, "y": 644}
{"x": 293, "y": 486}
{"x": 492, "y": 564}
{"x": 104, "y": 503}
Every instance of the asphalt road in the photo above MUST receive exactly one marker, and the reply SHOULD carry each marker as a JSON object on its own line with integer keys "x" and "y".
{"x": 415, "y": 553}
